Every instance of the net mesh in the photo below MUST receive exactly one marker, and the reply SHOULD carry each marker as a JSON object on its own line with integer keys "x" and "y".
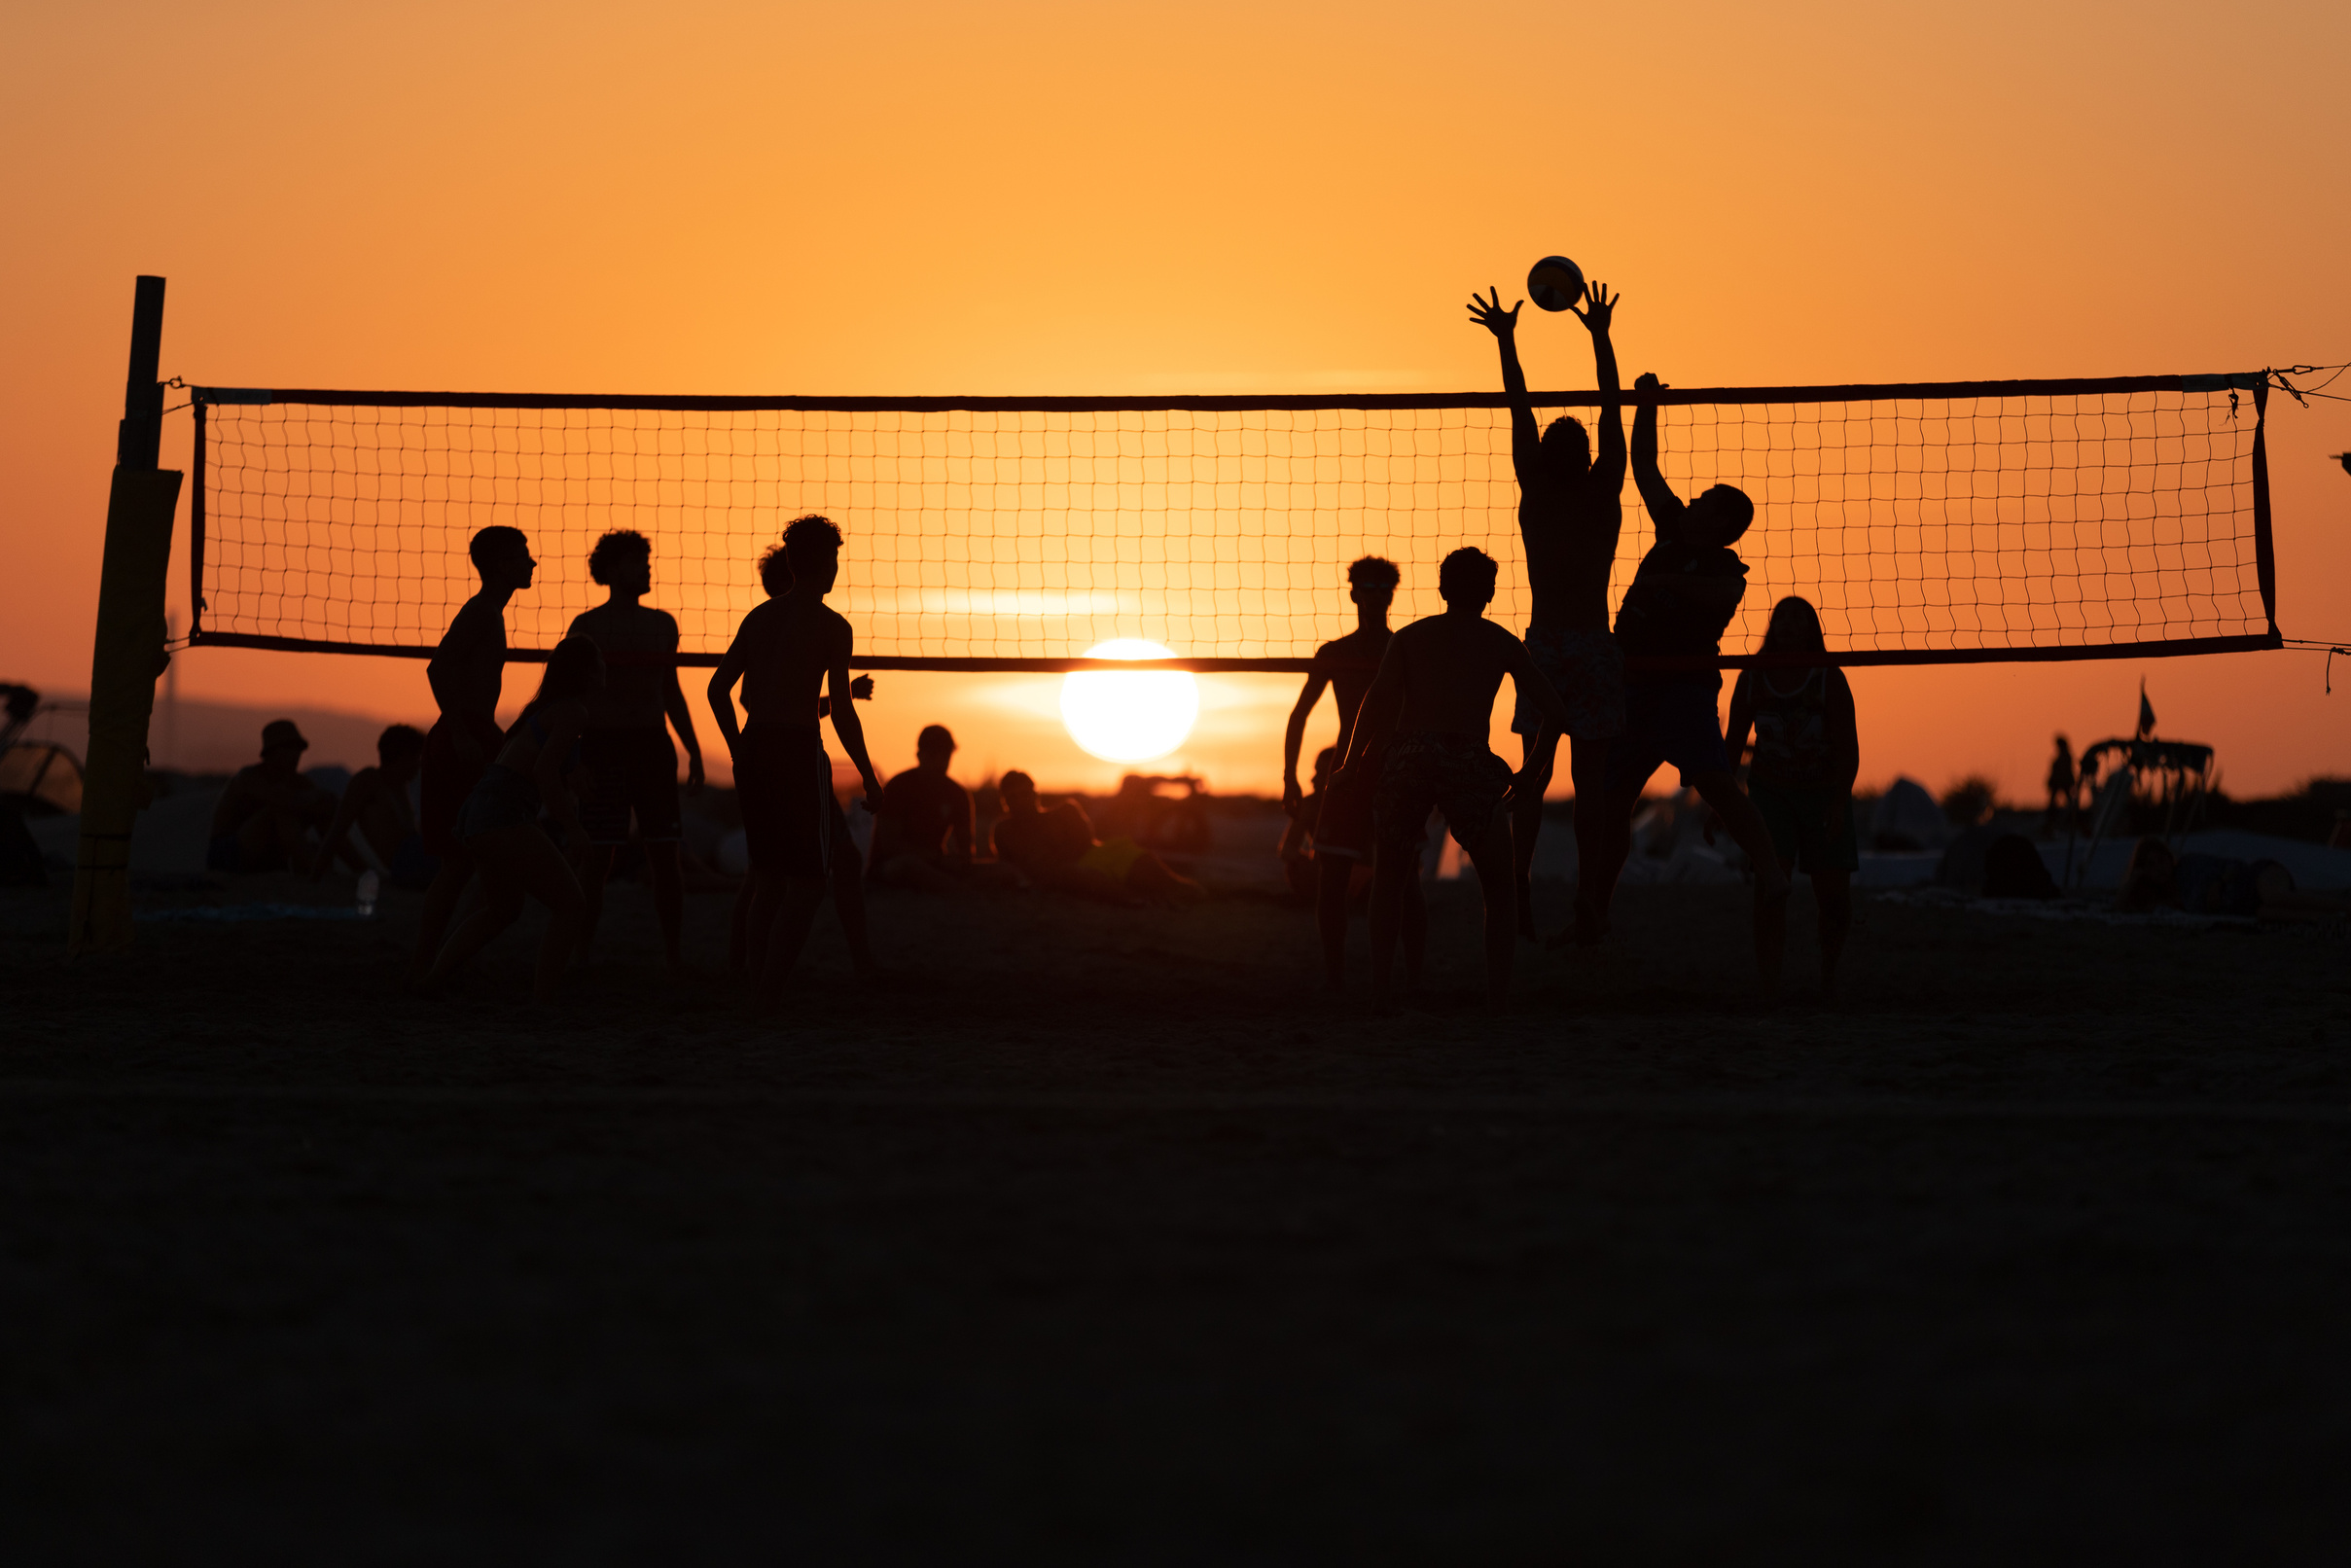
{"x": 1960, "y": 525}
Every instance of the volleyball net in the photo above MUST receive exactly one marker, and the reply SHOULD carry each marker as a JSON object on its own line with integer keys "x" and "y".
{"x": 1929, "y": 524}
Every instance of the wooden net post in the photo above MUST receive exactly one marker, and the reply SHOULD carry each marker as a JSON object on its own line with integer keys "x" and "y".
{"x": 128, "y": 653}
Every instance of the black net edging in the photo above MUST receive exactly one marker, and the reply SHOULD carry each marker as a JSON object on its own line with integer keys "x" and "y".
{"x": 1938, "y": 522}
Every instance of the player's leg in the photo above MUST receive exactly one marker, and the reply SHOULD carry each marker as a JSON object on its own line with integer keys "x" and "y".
{"x": 668, "y": 898}
{"x": 1631, "y": 759}
{"x": 441, "y": 898}
{"x": 1719, "y": 789}
{"x": 596, "y": 869}
{"x": 1832, "y": 891}
{"x": 1392, "y": 870}
{"x": 1415, "y": 934}
{"x": 1490, "y": 855}
{"x": 1335, "y": 878}
{"x": 795, "y": 913}
{"x": 1542, "y": 757}
{"x": 1791, "y": 826}
{"x": 545, "y": 873}
{"x": 738, "y": 926}
{"x": 499, "y": 908}
{"x": 1587, "y": 769}
{"x": 652, "y": 798}
{"x": 796, "y": 842}
{"x": 848, "y": 875}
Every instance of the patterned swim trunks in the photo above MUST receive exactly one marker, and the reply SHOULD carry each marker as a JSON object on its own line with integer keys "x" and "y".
{"x": 1588, "y": 671}
{"x": 1459, "y": 774}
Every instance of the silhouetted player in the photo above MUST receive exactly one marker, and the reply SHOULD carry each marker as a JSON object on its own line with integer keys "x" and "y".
{"x": 1435, "y": 696}
{"x": 631, "y": 764}
{"x": 1808, "y": 751}
{"x": 1343, "y": 836}
{"x": 788, "y": 651}
{"x": 1687, "y": 590}
{"x": 747, "y": 936}
{"x": 467, "y": 672}
{"x": 1570, "y": 512}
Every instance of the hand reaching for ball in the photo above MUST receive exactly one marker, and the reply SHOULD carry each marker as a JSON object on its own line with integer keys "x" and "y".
{"x": 1489, "y": 314}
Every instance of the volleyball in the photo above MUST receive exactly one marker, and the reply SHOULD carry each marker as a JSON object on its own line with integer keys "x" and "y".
{"x": 1556, "y": 283}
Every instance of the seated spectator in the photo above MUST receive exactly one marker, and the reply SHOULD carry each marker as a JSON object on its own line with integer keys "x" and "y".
{"x": 1057, "y": 849}
{"x": 376, "y": 803}
{"x": 922, "y": 835}
{"x": 266, "y": 815}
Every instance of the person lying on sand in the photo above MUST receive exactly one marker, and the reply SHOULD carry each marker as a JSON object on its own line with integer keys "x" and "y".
{"x": 1435, "y": 696}
{"x": 266, "y": 815}
{"x": 2217, "y": 884}
{"x": 1057, "y": 849}
{"x": 376, "y": 803}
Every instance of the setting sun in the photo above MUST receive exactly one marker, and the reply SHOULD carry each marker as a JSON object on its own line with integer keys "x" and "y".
{"x": 1129, "y": 718}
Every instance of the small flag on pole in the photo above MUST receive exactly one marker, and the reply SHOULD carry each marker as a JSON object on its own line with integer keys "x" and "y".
{"x": 2147, "y": 711}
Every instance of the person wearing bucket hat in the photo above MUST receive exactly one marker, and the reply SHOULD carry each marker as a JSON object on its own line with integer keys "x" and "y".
{"x": 266, "y": 815}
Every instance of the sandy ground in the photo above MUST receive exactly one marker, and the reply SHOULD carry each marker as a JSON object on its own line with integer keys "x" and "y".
{"x": 1097, "y": 1235}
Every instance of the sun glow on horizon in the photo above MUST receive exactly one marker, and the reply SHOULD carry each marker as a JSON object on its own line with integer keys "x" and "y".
{"x": 1134, "y": 718}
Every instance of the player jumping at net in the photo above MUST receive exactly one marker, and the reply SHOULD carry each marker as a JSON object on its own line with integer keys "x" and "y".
{"x": 1342, "y": 828}
{"x": 1807, "y": 753}
{"x": 1570, "y": 512}
{"x": 1686, "y": 591}
{"x": 632, "y": 767}
{"x": 467, "y": 673}
{"x": 788, "y": 652}
{"x": 1435, "y": 696}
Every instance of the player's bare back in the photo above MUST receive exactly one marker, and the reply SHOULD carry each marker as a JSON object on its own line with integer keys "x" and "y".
{"x": 1452, "y": 667}
{"x": 793, "y": 646}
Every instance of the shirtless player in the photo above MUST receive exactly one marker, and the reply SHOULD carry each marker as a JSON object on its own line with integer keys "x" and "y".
{"x": 467, "y": 673}
{"x": 1687, "y": 590}
{"x": 1343, "y": 827}
{"x": 793, "y": 650}
{"x": 1570, "y": 512}
{"x": 625, "y": 746}
{"x": 1435, "y": 695}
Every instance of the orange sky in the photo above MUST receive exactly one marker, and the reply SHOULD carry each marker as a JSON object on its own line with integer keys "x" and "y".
{"x": 1262, "y": 198}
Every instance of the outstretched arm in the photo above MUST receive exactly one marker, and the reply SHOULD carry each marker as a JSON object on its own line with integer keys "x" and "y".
{"x": 845, "y": 722}
{"x": 1525, "y": 440}
{"x": 1608, "y": 457}
{"x": 1294, "y": 737}
{"x": 1665, "y": 508}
